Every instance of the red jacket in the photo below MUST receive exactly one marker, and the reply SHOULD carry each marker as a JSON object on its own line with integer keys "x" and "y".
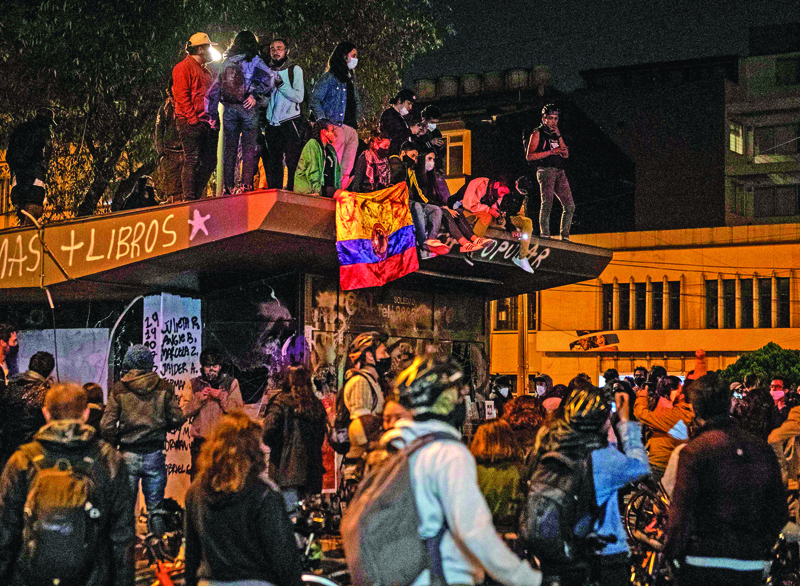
{"x": 190, "y": 82}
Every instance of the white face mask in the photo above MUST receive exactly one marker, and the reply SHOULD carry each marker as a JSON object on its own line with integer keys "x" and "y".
{"x": 431, "y": 126}
{"x": 403, "y": 110}
{"x": 541, "y": 389}
{"x": 352, "y": 63}
{"x": 429, "y": 167}
{"x": 504, "y": 390}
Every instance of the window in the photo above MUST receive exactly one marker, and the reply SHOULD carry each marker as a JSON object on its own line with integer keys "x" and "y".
{"x": 624, "y": 306}
{"x": 640, "y": 290}
{"x": 712, "y": 296}
{"x": 608, "y": 307}
{"x": 738, "y": 203}
{"x": 775, "y": 201}
{"x": 775, "y": 140}
{"x": 506, "y": 314}
{"x": 674, "y": 305}
{"x": 736, "y": 138}
{"x": 532, "y": 315}
{"x": 765, "y": 303}
{"x": 457, "y": 153}
{"x": 658, "y": 306}
{"x": 729, "y": 303}
{"x": 746, "y": 303}
{"x": 784, "y": 308}
{"x": 787, "y": 71}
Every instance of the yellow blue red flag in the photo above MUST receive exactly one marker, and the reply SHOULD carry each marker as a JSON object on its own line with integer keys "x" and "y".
{"x": 374, "y": 237}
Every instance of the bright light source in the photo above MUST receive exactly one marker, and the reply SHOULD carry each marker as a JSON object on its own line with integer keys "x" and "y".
{"x": 525, "y": 237}
{"x": 215, "y": 55}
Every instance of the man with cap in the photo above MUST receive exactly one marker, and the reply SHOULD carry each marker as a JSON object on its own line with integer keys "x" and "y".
{"x": 445, "y": 480}
{"x": 142, "y": 407}
{"x": 198, "y": 128}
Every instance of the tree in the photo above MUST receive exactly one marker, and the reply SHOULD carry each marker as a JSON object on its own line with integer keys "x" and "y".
{"x": 103, "y": 66}
{"x": 766, "y": 363}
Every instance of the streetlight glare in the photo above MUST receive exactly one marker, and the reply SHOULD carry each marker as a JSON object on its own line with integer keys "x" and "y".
{"x": 215, "y": 55}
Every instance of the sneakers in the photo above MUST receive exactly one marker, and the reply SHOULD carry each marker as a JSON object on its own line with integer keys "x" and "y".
{"x": 471, "y": 247}
{"x": 482, "y": 242}
{"x": 523, "y": 264}
{"x": 565, "y": 238}
{"x": 544, "y": 236}
{"x": 437, "y": 246}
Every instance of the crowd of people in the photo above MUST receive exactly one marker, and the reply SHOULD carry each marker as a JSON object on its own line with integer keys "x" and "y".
{"x": 534, "y": 499}
{"x": 308, "y": 142}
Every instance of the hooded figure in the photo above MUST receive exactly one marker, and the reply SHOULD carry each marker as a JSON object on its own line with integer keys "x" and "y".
{"x": 142, "y": 407}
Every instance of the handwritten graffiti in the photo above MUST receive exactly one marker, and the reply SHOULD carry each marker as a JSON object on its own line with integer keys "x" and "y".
{"x": 21, "y": 253}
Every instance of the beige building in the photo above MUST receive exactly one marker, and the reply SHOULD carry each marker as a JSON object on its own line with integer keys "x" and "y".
{"x": 664, "y": 295}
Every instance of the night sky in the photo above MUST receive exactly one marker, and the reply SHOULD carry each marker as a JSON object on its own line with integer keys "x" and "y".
{"x": 572, "y": 35}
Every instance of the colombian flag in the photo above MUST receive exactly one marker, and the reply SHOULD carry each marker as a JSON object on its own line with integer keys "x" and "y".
{"x": 374, "y": 237}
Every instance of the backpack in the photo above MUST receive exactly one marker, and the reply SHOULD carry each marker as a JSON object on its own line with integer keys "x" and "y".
{"x": 380, "y": 529}
{"x": 338, "y": 436}
{"x": 560, "y": 509}
{"x": 232, "y": 86}
{"x": 60, "y": 534}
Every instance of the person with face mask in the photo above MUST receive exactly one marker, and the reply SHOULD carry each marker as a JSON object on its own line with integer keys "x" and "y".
{"x": 431, "y": 138}
{"x": 482, "y": 200}
{"x": 363, "y": 395}
{"x": 372, "y": 171}
{"x": 431, "y": 189}
{"x": 394, "y": 120}
{"x": 207, "y": 398}
{"x": 444, "y": 479}
{"x": 197, "y": 125}
{"x": 335, "y": 98}
{"x": 318, "y": 170}
{"x": 639, "y": 378}
{"x": 427, "y": 216}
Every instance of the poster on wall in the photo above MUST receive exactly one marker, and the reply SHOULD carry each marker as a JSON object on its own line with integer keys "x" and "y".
{"x": 173, "y": 331}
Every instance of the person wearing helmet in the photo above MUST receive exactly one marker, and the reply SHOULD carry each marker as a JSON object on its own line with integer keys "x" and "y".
{"x": 547, "y": 151}
{"x": 363, "y": 394}
{"x": 445, "y": 483}
{"x": 581, "y": 434}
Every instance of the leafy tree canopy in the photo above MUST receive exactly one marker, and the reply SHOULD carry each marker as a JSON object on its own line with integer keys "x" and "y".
{"x": 766, "y": 363}
{"x": 103, "y": 66}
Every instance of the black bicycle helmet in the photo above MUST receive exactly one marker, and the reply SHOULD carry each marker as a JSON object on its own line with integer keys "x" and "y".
{"x": 550, "y": 109}
{"x": 421, "y": 384}
{"x": 587, "y": 409}
{"x": 364, "y": 343}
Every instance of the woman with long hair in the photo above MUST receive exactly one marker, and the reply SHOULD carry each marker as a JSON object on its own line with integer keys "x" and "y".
{"x": 498, "y": 456}
{"x": 430, "y": 189}
{"x": 237, "y": 529}
{"x": 245, "y": 82}
{"x": 336, "y": 98}
{"x": 294, "y": 430}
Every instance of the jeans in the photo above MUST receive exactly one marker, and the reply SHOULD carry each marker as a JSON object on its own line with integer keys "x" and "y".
{"x": 238, "y": 121}
{"x": 345, "y": 142}
{"x": 553, "y": 182}
{"x": 199, "y": 157}
{"x": 525, "y": 226}
{"x": 168, "y": 182}
{"x": 423, "y": 215}
{"x": 152, "y": 469}
{"x": 284, "y": 144}
{"x": 457, "y": 226}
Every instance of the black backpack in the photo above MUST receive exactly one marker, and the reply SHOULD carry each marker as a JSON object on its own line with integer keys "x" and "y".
{"x": 338, "y": 436}
{"x": 61, "y": 528}
{"x": 560, "y": 510}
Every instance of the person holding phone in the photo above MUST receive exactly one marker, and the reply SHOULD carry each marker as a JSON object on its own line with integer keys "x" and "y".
{"x": 207, "y": 398}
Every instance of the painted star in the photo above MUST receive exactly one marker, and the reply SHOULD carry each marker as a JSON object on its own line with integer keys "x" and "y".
{"x": 198, "y": 223}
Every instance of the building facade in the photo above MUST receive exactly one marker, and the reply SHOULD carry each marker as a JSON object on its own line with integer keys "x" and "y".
{"x": 665, "y": 294}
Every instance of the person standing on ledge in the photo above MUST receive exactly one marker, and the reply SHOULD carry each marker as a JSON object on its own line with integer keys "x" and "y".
{"x": 547, "y": 151}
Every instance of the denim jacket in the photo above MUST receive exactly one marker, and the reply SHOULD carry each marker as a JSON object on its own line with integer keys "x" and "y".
{"x": 613, "y": 470}
{"x": 330, "y": 97}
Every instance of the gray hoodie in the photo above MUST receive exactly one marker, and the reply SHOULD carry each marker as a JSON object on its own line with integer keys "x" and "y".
{"x": 445, "y": 483}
